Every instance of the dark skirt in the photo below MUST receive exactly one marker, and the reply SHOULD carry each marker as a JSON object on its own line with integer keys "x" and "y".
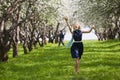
{"x": 77, "y": 50}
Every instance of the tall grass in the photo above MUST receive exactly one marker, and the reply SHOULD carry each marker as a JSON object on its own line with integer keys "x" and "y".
{"x": 100, "y": 61}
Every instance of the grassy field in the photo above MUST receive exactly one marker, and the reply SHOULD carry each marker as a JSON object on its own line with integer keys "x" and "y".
{"x": 100, "y": 61}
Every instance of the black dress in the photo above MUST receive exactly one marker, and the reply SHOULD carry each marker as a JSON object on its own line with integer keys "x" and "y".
{"x": 77, "y": 46}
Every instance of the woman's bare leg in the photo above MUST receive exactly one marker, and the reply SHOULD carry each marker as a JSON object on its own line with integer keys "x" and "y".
{"x": 77, "y": 65}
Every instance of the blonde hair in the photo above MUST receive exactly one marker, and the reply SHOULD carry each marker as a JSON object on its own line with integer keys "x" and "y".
{"x": 76, "y": 25}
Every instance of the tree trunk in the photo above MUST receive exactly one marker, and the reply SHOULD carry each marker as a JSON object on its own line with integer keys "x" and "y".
{"x": 3, "y": 53}
{"x": 4, "y": 41}
{"x": 119, "y": 34}
{"x": 15, "y": 49}
{"x": 42, "y": 43}
{"x": 49, "y": 37}
{"x": 15, "y": 41}
{"x": 110, "y": 34}
{"x": 30, "y": 44}
{"x": 25, "y": 48}
{"x": 56, "y": 33}
{"x": 4, "y": 45}
{"x": 56, "y": 39}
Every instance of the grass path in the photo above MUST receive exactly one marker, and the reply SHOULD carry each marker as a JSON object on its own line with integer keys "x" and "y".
{"x": 100, "y": 61}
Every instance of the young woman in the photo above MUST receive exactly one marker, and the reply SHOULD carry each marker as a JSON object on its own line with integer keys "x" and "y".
{"x": 77, "y": 46}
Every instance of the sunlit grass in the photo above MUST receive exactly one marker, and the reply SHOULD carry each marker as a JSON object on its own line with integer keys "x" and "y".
{"x": 100, "y": 61}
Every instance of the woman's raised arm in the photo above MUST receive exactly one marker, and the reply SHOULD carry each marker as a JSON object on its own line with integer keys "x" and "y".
{"x": 66, "y": 19}
{"x": 88, "y": 30}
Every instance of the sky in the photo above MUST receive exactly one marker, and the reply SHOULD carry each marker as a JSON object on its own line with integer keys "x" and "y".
{"x": 87, "y": 36}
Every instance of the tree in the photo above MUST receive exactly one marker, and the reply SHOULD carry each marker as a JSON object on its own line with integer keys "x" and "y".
{"x": 101, "y": 13}
{"x": 7, "y": 9}
{"x": 25, "y": 21}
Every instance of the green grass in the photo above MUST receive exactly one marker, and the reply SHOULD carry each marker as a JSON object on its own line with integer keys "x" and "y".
{"x": 100, "y": 61}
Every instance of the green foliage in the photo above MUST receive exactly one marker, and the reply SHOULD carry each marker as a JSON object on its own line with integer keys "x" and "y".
{"x": 100, "y": 61}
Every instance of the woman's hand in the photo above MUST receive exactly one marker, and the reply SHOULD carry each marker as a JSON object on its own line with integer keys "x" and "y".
{"x": 93, "y": 27}
{"x": 66, "y": 18}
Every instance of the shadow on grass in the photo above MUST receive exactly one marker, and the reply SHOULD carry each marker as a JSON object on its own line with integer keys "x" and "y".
{"x": 97, "y": 64}
{"x": 102, "y": 61}
{"x": 105, "y": 47}
{"x": 110, "y": 48}
{"x": 101, "y": 50}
